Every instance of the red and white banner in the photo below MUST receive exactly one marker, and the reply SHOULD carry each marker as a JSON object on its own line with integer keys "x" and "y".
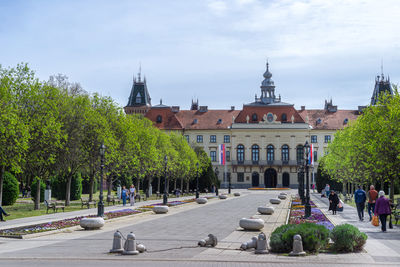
{"x": 221, "y": 153}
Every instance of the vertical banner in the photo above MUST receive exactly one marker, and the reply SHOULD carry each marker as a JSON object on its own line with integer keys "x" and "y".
{"x": 311, "y": 156}
{"x": 221, "y": 152}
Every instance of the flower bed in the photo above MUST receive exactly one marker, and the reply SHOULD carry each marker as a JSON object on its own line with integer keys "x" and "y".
{"x": 297, "y": 213}
{"x": 262, "y": 188}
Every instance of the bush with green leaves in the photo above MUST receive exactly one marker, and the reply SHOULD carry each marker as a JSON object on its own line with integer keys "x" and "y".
{"x": 34, "y": 189}
{"x": 58, "y": 186}
{"x": 314, "y": 237}
{"x": 347, "y": 238}
{"x": 10, "y": 189}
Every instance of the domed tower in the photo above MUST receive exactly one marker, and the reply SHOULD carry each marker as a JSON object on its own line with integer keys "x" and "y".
{"x": 268, "y": 88}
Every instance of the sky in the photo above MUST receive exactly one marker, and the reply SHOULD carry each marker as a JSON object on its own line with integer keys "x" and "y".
{"x": 214, "y": 51}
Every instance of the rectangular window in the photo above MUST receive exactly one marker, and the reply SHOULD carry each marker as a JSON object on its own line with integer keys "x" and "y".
{"x": 314, "y": 139}
{"x": 213, "y": 155}
{"x": 227, "y": 138}
{"x": 315, "y": 156}
{"x": 213, "y": 138}
{"x": 199, "y": 139}
{"x": 240, "y": 177}
{"x": 228, "y": 156}
{"x": 327, "y": 138}
{"x": 187, "y": 138}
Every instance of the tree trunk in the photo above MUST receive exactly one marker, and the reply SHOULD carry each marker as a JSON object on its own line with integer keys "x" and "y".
{"x": 37, "y": 199}
{"x": 392, "y": 190}
{"x": 167, "y": 185}
{"x": 68, "y": 190}
{"x": 109, "y": 185}
{"x": 91, "y": 185}
{"x": 175, "y": 184}
{"x": 2, "y": 171}
{"x": 187, "y": 186}
{"x": 181, "y": 184}
{"x": 158, "y": 184}
{"x": 138, "y": 185}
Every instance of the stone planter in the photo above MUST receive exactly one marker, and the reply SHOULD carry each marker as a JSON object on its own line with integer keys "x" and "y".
{"x": 282, "y": 197}
{"x": 266, "y": 210}
{"x": 223, "y": 196}
{"x": 251, "y": 224}
{"x": 160, "y": 209}
{"x": 237, "y": 194}
{"x": 201, "y": 200}
{"x": 92, "y": 223}
{"x": 275, "y": 201}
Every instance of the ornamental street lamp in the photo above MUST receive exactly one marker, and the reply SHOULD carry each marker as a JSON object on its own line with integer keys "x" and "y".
{"x": 100, "y": 206}
{"x": 216, "y": 174}
{"x": 197, "y": 180}
{"x": 307, "y": 212}
{"x": 165, "y": 197}
{"x": 229, "y": 183}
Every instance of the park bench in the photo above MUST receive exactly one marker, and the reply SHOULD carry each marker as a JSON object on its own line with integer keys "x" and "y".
{"x": 85, "y": 202}
{"x": 396, "y": 212}
{"x": 54, "y": 205}
{"x": 113, "y": 199}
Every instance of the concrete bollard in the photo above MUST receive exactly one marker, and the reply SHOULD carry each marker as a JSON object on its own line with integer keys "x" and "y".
{"x": 249, "y": 244}
{"x": 211, "y": 240}
{"x": 262, "y": 245}
{"x": 141, "y": 248}
{"x": 117, "y": 243}
{"x": 130, "y": 245}
{"x": 297, "y": 246}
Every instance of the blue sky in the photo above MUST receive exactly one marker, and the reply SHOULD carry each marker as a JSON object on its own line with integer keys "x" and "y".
{"x": 211, "y": 50}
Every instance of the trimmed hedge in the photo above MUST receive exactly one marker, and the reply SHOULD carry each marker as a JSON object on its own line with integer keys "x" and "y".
{"x": 10, "y": 189}
{"x": 314, "y": 237}
{"x": 347, "y": 238}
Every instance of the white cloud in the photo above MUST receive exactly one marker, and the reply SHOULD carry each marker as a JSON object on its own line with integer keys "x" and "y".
{"x": 218, "y": 7}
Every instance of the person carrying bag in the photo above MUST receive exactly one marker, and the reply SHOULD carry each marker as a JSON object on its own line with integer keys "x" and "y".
{"x": 375, "y": 221}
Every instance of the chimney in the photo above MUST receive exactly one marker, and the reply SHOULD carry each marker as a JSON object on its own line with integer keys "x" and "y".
{"x": 303, "y": 107}
{"x": 203, "y": 108}
{"x": 175, "y": 109}
{"x": 232, "y": 108}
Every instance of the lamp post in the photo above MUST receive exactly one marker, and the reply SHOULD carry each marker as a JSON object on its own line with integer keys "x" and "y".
{"x": 229, "y": 183}
{"x": 165, "y": 197}
{"x": 100, "y": 206}
{"x": 307, "y": 206}
{"x": 300, "y": 177}
{"x": 216, "y": 188}
{"x": 197, "y": 180}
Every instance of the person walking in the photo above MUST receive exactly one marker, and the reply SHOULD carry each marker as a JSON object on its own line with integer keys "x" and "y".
{"x": 382, "y": 209}
{"x": 333, "y": 202}
{"x": 360, "y": 197}
{"x": 327, "y": 190}
{"x": 372, "y": 195}
{"x": 132, "y": 194}
{"x": 124, "y": 194}
{"x": 2, "y": 211}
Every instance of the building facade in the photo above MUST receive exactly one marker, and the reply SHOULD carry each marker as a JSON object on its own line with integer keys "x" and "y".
{"x": 264, "y": 140}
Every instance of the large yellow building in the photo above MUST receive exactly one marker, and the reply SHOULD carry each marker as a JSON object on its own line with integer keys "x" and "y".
{"x": 264, "y": 140}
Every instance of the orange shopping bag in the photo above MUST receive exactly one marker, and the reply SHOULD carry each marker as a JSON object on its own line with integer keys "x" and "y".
{"x": 375, "y": 221}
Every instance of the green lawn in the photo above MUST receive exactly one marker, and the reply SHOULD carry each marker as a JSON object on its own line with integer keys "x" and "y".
{"x": 24, "y": 206}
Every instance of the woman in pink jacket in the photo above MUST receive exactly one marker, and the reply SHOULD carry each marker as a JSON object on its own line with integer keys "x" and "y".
{"x": 382, "y": 208}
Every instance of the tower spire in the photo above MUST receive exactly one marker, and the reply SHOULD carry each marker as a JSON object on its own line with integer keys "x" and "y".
{"x": 140, "y": 70}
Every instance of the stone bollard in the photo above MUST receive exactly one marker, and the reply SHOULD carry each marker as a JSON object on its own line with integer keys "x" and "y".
{"x": 282, "y": 196}
{"x": 297, "y": 247}
{"x": 211, "y": 240}
{"x": 236, "y": 194}
{"x": 130, "y": 245}
{"x": 262, "y": 245}
{"x": 249, "y": 244}
{"x": 201, "y": 200}
{"x": 117, "y": 243}
{"x": 141, "y": 248}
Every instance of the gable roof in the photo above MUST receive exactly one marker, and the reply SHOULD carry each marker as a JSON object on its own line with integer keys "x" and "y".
{"x": 206, "y": 120}
{"x": 289, "y": 110}
{"x": 328, "y": 120}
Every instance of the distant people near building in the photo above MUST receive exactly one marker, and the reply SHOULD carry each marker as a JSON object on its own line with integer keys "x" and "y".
{"x": 124, "y": 195}
{"x": 372, "y": 195}
{"x": 327, "y": 190}
{"x": 382, "y": 209}
{"x": 132, "y": 194}
{"x": 333, "y": 202}
{"x": 360, "y": 197}
{"x": 2, "y": 211}
{"x": 313, "y": 188}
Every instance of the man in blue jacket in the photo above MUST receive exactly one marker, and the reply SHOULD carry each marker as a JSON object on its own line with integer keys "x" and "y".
{"x": 360, "y": 197}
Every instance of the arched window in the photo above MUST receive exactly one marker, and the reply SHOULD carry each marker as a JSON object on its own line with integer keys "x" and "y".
{"x": 270, "y": 153}
{"x": 240, "y": 153}
{"x": 254, "y": 117}
{"x": 300, "y": 154}
{"x": 159, "y": 119}
{"x": 285, "y": 153}
{"x": 255, "y": 153}
{"x": 284, "y": 117}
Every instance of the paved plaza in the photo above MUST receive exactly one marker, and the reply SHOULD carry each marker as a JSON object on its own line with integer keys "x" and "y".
{"x": 171, "y": 239}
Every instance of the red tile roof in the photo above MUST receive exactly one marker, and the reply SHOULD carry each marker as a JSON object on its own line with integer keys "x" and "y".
{"x": 260, "y": 111}
{"x": 206, "y": 120}
{"x": 169, "y": 120}
{"x": 329, "y": 120}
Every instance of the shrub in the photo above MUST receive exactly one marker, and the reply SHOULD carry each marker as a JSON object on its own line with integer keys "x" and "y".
{"x": 10, "y": 189}
{"x": 86, "y": 184}
{"x": 314, "y": 237}
{"x": 42, "y": 189}
{"x": 347, "y": 238}
{"x": 58, "y": 186}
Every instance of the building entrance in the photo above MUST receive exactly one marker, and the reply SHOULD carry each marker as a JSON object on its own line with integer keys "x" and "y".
{"x": 270, "y": 178}
{"x": 255, "y": 179}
